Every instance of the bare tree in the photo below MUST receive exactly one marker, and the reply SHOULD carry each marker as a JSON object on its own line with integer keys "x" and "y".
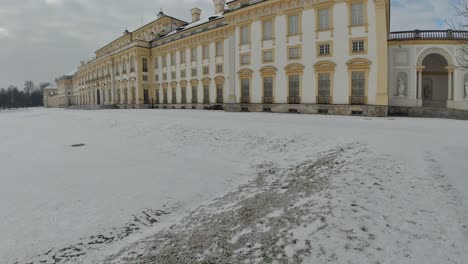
{"x": 459, "y": 23}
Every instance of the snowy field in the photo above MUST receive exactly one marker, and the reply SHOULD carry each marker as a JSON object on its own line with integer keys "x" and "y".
{"x": 183, "y": 186}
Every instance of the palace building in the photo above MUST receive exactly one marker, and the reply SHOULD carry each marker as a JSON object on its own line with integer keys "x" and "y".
{"x": 306, "y": 56}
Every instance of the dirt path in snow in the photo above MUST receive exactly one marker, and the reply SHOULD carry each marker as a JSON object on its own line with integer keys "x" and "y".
{"x": 348, "y": 205}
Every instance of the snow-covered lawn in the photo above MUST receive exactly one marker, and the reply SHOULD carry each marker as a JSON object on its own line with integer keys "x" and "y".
{"x": 183, "y": 186}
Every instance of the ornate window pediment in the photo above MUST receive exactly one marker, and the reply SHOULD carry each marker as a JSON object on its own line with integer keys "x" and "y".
{"x": 359, "y": 63}
{"x": 268, "y": 70}
{"x": 194, "y": 82}
{"x": 294, "y": 68}
{"x": 245, "y": 72}
{"x": 206, "y": 81}
{"x": 325, "y": 66}
{"x": 219, "y": 79}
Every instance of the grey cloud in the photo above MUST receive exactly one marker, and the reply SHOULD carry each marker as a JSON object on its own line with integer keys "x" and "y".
{"x": 41, "y": 41}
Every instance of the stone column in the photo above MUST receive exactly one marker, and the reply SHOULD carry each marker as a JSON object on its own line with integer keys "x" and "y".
{"x": 450, "y": 70}
{"x": 382, "y": 51}
{"x": 419, "y": 96}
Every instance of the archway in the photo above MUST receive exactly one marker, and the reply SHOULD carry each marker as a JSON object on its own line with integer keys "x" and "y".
{"x": 435, "y": 81}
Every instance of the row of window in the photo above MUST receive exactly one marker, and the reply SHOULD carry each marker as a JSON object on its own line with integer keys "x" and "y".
{"x": 194, "y": 90}
{"x": 294, "y": 53}
{"x": 294, "y": 26}
{"x": 358, "y": 86}
{"x": 194, "y": 72}
{"x": 219, "y": 52}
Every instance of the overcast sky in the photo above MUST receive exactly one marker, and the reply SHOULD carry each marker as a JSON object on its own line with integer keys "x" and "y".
{"x": 43, "y": 39}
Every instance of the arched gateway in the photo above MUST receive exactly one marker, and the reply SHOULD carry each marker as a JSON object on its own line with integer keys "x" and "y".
{"x": 435, "y": 82}
{"x": 426, "y": 75}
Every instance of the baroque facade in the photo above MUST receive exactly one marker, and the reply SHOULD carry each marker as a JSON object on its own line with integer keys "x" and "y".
{"x": 308, "y": 56}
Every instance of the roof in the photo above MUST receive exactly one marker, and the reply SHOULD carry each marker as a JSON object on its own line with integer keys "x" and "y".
{"x": 52, "y": 85}
{"x": 193, "y": 25}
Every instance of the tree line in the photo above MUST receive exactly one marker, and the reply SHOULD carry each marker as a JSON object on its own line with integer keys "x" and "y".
{"x": 29, "y": 96}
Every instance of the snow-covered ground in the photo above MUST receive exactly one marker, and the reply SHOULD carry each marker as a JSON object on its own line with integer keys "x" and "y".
{"x": 183, "y": 186}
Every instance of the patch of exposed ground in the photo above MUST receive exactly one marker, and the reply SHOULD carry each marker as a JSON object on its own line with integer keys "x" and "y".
{"x": 71, "y": 253}
{"x": 252, "y": 224}
{"x": 343, "y": 206}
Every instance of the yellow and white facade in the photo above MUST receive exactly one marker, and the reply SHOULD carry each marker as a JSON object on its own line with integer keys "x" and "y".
{"x": 308, "y": 56}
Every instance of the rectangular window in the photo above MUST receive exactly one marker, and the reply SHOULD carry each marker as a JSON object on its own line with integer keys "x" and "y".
{"x": 182, "y": 57}
{"x": 245, "y": 34}
{"x": 357, "y": 14}
{"x": 268, "y": 30}
{"x": 206, "y": 52}
{"x": 183, "y": 91}
{"x": 219, "y": 93}
{"x": 324, "y": 19}
{"x": 156, "y": 77}
{"x": 245, "y": 59}
{"x": 173, "y": 59}
{"x": 293, "y": 25}
{"x": 219, "y": 49}
{"x": 164, "y": 76}
{"x": 145, "y": 65}
{"x": 294, "y": 53}
{"x": 174, "y": 96}
{"x": 219, "y": 68}
{"x": 268, "y": 90}
{"x": 165, "y": 96}
{"x": 206, "y": 70}
{"x": 245, "y": 90}
{"x": 173, "y": 75}
{"x": 145, "y": 78}
{"x": 194, "y": 72}
{"x": 268, "y": 56}
{"x": 294, "y": 89}
{"x": 164, "y": 61}
{"x": 358, "y": 84}
{"x": 358, "y": 46}
{"x": 157, "y": 96}
{"x": 194, "y": 94}
{"x": 193, "y": 54}
{"x": 324, "y": 49}
{"x": 324, "y": 85}
{"x": 156, "y": 63}
{"x": 206, "y": 94}
{"x": 183, "y": 74}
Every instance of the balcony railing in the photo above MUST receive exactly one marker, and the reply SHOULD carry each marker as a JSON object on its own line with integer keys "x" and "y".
{"x": 245, "y": 100}
{"x": 219, "y": 100}
{"x": 429, "y": 35}
{"x": 324, "y": 99}
{"x": 358, "y": 100}
{"x": 294, "y": 99}
{"x": 267, "y": 99}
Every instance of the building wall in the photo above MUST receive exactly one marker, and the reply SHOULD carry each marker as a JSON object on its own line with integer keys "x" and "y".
{"x": 404, "y": 60}
{"x": 100, "y": 74}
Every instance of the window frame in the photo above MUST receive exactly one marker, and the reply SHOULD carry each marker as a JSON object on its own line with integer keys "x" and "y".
{"x": 272, "y": 55}
{"x": 350, "y": 18}
{"x": 319, "y": 44}
{"x": 299, "y": 47}
{"x": 330, "y": 8}
{"x": 242, "y": 55}
{"x": 351, "y": 46}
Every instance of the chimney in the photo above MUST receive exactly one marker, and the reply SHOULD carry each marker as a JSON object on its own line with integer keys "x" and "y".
{"x": 219, "y": 5}
{"x": 161, "y": 14}
{"x": 196, "y": 13}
